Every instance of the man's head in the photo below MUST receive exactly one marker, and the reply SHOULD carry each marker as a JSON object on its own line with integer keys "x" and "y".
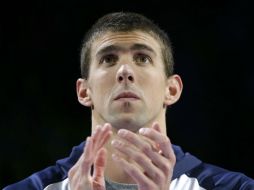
{"x": 125, "y": 22}
{"x": 127, "y": 72}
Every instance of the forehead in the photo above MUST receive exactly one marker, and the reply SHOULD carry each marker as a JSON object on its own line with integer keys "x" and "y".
{"x": 126, "y": 39}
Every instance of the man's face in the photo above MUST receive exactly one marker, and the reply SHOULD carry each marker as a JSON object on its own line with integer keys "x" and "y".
{"x": 127, "y": 82}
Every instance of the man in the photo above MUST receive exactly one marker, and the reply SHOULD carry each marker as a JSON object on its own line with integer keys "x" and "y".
{"x": 128, "y": 81}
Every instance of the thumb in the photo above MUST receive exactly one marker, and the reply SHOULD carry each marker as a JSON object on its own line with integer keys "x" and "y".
{"x": 156, "y": 127}
{"x": 99, "y": 167}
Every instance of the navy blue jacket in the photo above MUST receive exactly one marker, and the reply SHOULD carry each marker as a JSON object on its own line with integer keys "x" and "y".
{"x": 189, "y": 173}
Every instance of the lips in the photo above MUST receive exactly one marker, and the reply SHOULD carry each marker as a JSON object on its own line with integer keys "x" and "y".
{"x": 127, "y": 95}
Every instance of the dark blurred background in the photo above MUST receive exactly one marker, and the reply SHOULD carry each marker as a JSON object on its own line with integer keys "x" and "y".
{"x": 41, "y": 119}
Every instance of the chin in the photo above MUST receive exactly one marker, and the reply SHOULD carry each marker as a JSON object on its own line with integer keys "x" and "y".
{"x": 128, "y": 123}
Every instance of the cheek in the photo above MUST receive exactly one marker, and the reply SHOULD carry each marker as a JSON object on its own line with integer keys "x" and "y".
{"x": 156, "y": 91}
{"x": 101, "y": 84}
{"x": 154, "y": 88}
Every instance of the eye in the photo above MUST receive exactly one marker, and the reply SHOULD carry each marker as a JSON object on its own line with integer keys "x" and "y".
{"x": 142, "y": 59}
{"x": 110, "y": 59}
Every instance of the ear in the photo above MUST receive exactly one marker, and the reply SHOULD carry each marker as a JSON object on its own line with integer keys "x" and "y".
{"x": 83, "y": 92}
{"x": 173, "y": 90}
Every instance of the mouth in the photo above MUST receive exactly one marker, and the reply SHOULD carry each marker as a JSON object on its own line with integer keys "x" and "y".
{"x": 127, "y": 96}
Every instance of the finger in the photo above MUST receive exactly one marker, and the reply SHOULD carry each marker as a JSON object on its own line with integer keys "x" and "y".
{"x": 142, "y": 160}
{"x": 104, "y": 135}
{"x": 165, "y": 165}
{"x": 156, "y": 127}
{"x": 96, "y": 134}
{"x": 100, "y": 136}
{"x": 81, "y": 170}
{"x": 135, "y": 173}
{"x": 87, "y": 158}
{"x": 160, "y": 139}
{"x": 80, "y": 173}
{"x": 143, "y": 144}
{"x": 97, "y": 186}
{"x": 133, "y": 138}
{"x": 79, "y": 183}
{"x": 99, "y": 167}
{"x": 93, "y": 144}
{"x": 86, "y": 154}
{"x": 78, "y": 163}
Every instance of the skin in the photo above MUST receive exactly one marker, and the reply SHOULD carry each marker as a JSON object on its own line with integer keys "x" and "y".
{"x": 127, "y": 132}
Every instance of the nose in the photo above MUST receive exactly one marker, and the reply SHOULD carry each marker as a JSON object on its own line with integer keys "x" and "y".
{"x": 125, "y": 74}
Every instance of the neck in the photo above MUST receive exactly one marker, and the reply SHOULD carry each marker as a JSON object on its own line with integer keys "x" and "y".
{"x": 113, "y": 171}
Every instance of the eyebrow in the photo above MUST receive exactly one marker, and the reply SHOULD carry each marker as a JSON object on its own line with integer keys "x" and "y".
{"x": 142, "y": 47}
{"x": 134, "y": 47}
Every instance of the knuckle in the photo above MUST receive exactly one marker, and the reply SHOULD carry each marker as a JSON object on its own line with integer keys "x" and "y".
{"x": 71, "y": 172}
{"x": 173, "y": 159}
{"x": 146, "y": 148}
{"x": 130, "y": 136}
{"x": 159, "y": 177}
{"x": 97, "y": 185}
{"x": 165, "y": 140}
{"x": 86, "y": 162}
{"x": 166, "y": 166}
{"x": 148, "y": 186}
{"x": 80, "y": 185}
{"x": 137, "y": 157}
{"x": 131, "y": 170}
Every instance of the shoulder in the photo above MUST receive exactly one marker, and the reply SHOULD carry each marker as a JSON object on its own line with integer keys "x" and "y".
{"x": 50, "y": 175}
{"x": 208, "y": 176}
{"x": 211, "y": 176}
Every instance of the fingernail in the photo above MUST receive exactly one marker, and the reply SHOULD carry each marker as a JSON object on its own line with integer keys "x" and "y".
{"x": 116, "y": 143}
{"x": 87, "y": 140}
{"x": 143, "y": 131}
{"x": 113, "y": 142}
{"x": 115, "y": 157}
{"x": 104, "y": 127}
{"x": 122, "y": 132}
{"x": 97, "y": 128}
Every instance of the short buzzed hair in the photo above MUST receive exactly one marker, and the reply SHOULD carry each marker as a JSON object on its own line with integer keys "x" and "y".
{"x": 125, "y": 22}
